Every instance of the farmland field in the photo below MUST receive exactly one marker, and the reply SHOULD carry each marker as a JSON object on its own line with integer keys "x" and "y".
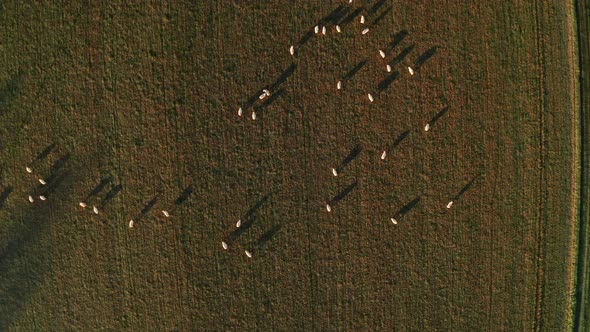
{"x": 145, "y": 96}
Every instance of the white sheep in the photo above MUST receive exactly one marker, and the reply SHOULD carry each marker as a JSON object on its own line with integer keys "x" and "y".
{"x": 394, "y": 221}
{"x": 95, "y": 209}
{"x": 382, "y": 54}
{"x": 131, "y": 223}
{"x": 370, "y": 97}
{"x": 249, "y": 254}
{"x": 292, "y": 50}
{"x": 239, "y": 223}
{"x": 365, "y": 31}
{"x": 449, "y": 204}
{"x": 166, "y": 214}
{"x": 335, "y": 172}
{"x": 339, "y": 85}
{"x": 224, "y": 245}
{"x": 383, "y": 155}
{"x": 411, "y": 71}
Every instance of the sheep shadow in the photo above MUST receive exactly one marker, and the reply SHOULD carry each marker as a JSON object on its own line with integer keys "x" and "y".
{"x": 438, "y": 115}
{"x": 184, "y": 195}
{"x": 466, "y": 188}
{"x": 353, "y": 154}
{"x": 99, "y": 187}
{"x": 268, "y": 101}
{"x": 352, "y": 16}
{"x": 379, "y": 18}
{"x": 425, "y": 57}
{"x": 342, "y": 194}
{"x": 281, "y": 79}
{"x": 375, "y": 8}
{"x": 9, "y": 91}
{"x": 387, "y": 81}
{"x": 402, "y": 55}
{"x": 397, "y": 39}
{"x": 149, "y": 206}
{"x": 407, "y": 208}
{"x": 354, "y": 70}
{"x": 4, "y": 195}
{"x": 248, "y": 219}
{"x": 58, "y": 164}
{"x": 43, "y": 154}
{"x": 111, "y": 194}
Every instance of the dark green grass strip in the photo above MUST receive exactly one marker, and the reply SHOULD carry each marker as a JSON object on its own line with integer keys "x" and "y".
{"x": 581, "y": 322}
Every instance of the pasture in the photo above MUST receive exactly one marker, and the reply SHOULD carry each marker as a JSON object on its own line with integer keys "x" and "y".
{"x": 144, "y": 99}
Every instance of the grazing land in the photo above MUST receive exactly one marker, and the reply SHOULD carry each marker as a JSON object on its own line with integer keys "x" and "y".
{"x": 133, "y": 108}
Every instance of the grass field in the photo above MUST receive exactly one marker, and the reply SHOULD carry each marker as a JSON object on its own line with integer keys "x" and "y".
{"x": 148, "y": 94}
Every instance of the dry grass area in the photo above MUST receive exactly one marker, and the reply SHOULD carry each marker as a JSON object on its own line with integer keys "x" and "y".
{"x": 148, "y": 95}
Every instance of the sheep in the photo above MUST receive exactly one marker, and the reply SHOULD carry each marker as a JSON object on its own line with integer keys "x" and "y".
{"x": 365, "y": 31}
{"x": 370, "y": 97}
{"x": 42, "y": 197}
{"x": 316, "y": 29}
{"x": 323, "y": 30}
{"x": 339, "y": 85}
{"x": 362, "y": 19}
{"x": 253, "y": 115}
{"x": 29, "y": 170}
{"x": 382, "y": 54}
{"x": 240, "y": 111}
{"x": 82, "y": 204}
{"x": 239, "y": 223}
{"x": 383, "y": 155}
{"x": 292, "y": 50}
{"x": 224, "y": 245}
{"x": 394, "y": 221}
{"x": 411, "y": 71}
{"x": 31, "y": 199}
{"x": 42, "y": 182}
{"x": 131, "y": 223}
{"x": 427, "y": 127}
{"x": 338, "y": 28}
{"x": 166, "y": 214}
{"x": 328, "y": 208}
{"x": 388, "y": 67}
{"x": 95, "y": 209}
{"x": 449, "y": 204}
{"x": 335, "y": 172}
{"x": 249, "y": 254}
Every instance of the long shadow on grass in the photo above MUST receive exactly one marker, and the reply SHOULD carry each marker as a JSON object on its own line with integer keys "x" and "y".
{"x": 465, "y": 188}
{"x": 425, "y": 57}
{"x": 9, "y": 90}
{"x": 402, "y": 55}
{"x": 354, "y": 70}
{"x": 397, "y": 38}
{"x": 23, "y": 261}
{"x": 379, "y": 18}
{"x": 438, "y": 115}
{"x": 263, "y": 240}
{"x": 407, "y": 208}
{"x": 111, "y": 195}
{"x": 247, "y": 219}
{"x": 352, "y": 155}
{"x": 387, "y": 81}
{"x": 340, "y": 196}
{"x": 184, "y": 195}
{"x": 4, "y": 195}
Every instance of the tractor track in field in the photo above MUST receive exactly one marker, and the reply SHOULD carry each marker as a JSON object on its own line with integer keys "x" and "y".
{"x": 539, "y": 296}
